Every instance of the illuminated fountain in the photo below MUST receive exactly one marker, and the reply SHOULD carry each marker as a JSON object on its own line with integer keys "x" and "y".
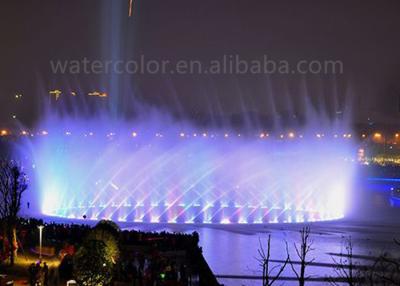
{"x": 158, "y": 170}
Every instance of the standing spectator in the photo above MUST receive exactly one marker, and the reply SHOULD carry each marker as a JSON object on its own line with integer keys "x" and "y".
{"x": 32, "y": 274}
{"x": 38, "y": 273}
{"x": 45, "y": 274}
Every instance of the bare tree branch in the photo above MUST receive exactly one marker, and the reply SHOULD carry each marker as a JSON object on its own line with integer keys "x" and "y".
{"x": 302, "y": 253}
{"x": 265, "y": 258}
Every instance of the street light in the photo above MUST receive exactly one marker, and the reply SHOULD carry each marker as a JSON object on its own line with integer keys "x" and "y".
{"x": 40, "y": 240}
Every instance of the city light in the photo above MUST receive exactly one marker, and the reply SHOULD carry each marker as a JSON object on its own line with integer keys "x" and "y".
{"x": 56, "y": 93}
{"x": 290, "y": 135}
{"x": 98, "y": 94}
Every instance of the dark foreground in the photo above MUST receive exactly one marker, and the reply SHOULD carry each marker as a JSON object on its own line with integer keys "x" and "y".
{"x": 144, "y": 258}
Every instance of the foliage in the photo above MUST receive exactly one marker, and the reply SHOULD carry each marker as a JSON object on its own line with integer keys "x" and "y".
{"x": 110, "y": 226}
{"x": 108, "y": 238}
{"x": 92, "y": 266}
{"x": 95, "y": 259}
{"x": 13, "y": 183}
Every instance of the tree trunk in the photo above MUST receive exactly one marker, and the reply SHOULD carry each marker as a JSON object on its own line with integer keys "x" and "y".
{"x": 4, "y": 233}
{"x": 10, "y": 245}
{"x": 15, "y": 241}
{"x": 12, "y": 242}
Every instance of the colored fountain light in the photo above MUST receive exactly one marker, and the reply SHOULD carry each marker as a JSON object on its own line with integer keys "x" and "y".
{"x": 154, "y": 176}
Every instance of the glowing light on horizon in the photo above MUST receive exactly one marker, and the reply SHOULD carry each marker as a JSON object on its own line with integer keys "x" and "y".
{"x": 56, "y": 93}
{"x": 98, "y": 94}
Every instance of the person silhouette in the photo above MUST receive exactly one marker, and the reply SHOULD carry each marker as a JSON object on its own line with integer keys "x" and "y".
{"x": 45, "y": 274}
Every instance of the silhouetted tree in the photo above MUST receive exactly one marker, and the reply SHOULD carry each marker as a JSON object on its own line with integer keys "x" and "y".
{"x": 385, "y": 270}
{"x": 267, "y": 271}
{"x": 92, "y": 267}
{"x": 302, "y": 253}
{"x": 107, "y": 234}
{"x": 345, "y": 268}
{"x": 13, "y": 183}
{"x": 108, "y": 226}
{"x": 95, "y": 260}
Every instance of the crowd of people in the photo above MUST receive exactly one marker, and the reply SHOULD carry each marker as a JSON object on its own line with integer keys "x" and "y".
{"x": 153, "y": 270}
{"x": 38, "y": 273}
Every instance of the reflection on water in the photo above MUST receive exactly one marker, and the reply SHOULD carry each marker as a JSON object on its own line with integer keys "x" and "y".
{"x": 232, "y": 250}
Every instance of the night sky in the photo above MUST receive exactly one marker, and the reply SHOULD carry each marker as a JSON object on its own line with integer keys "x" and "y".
{"x": 364, "y": 35}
